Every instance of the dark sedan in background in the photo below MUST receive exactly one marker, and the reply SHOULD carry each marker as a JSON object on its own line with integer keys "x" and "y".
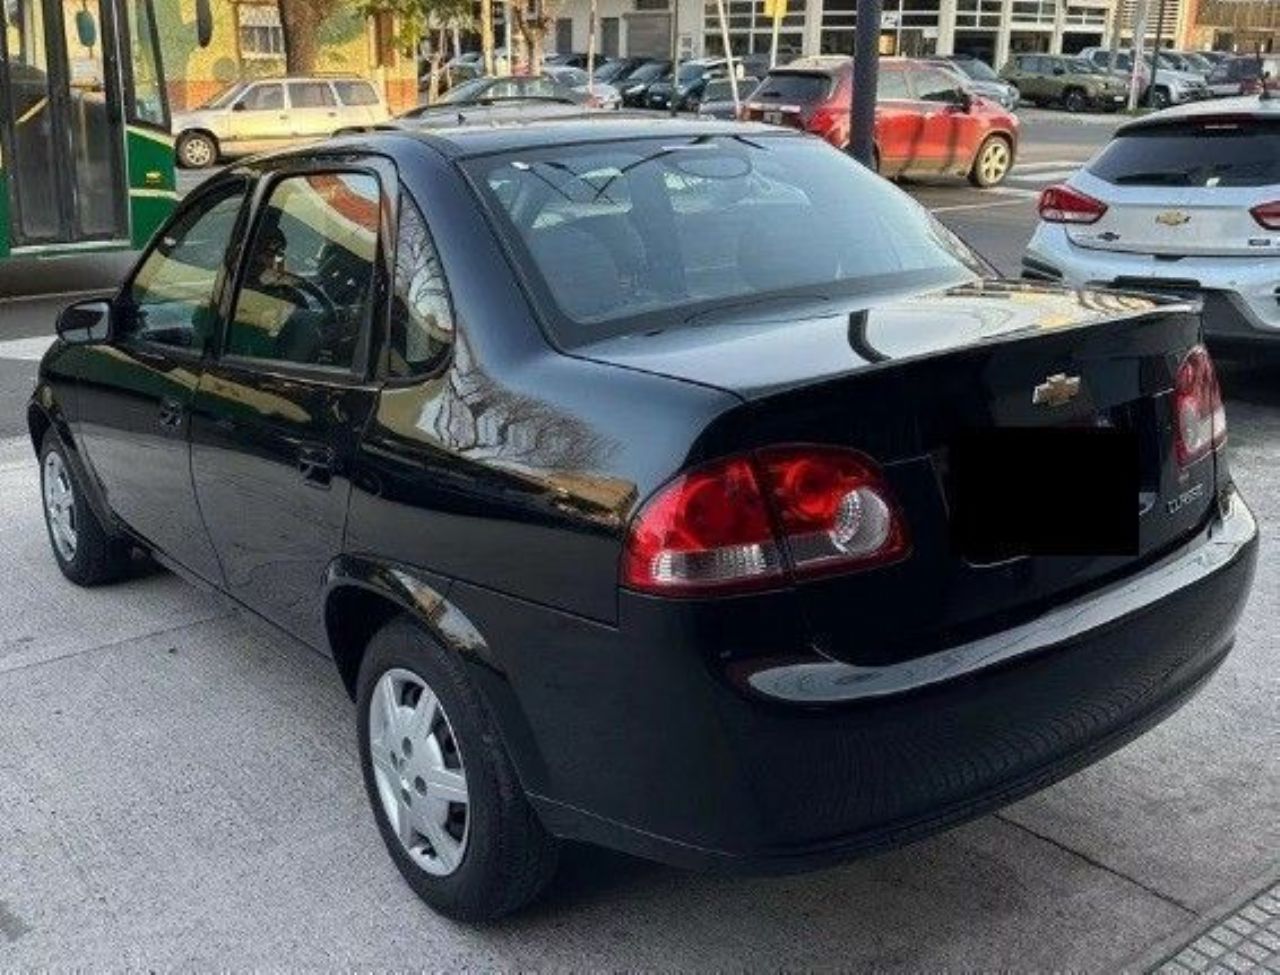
{"x": 676, "y": 486}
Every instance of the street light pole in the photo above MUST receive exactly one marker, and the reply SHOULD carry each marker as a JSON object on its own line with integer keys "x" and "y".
{"x": 1155, "y": 54}
{"x": 866, "y": 70}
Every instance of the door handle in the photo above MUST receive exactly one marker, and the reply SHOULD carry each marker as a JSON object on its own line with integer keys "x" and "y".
{"x": 171, "y": 413}
{"x": 315, "y": 463}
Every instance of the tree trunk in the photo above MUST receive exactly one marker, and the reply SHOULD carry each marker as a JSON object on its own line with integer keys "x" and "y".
{"x": 301, "y": 20}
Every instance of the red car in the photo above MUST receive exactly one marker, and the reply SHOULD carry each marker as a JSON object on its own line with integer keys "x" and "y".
{"x": 927, "y": 121}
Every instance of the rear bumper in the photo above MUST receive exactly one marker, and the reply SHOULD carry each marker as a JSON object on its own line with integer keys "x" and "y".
{"x": 759, "y": 766}
{"x": 1241, "y": 294}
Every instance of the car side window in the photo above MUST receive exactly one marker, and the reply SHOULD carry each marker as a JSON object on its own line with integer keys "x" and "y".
{"x": 892, "y": 84}
{"x": 935, "y": 86}
{"x": 311, "y": 94}
{"x": 421, "y": 314}
{"x": 263, "y": 98}
{"x": 172, "y": 297}
{"x": 308, "y": 287}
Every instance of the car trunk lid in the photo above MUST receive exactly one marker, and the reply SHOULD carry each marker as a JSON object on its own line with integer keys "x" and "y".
{"x": 905, "y": 382}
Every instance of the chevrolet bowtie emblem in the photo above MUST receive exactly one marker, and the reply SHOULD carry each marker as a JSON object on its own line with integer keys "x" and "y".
{"x": 1056, "y": 390}
{"x": 1172, "y": 218}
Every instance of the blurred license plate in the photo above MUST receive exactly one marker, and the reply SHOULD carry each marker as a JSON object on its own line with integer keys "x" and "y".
{"x": 1117, "y": 98}
{"x": 773, "y": 118}
{"x": 1044, "y": 491}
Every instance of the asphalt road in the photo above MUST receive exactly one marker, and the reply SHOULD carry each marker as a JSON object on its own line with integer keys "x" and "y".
{"x": 180, "y": 789}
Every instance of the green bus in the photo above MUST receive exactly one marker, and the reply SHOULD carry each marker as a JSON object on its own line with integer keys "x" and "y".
{"x": 86, "y": 158}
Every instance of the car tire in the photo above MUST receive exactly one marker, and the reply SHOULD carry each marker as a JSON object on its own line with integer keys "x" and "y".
{"x": 196, "y": 150}
{"x": 1160, "y": 99}
{"x": 490, "y": 855}
{"x": 1073, "y": 100}
{"x": 992, "y": 162}
{"x": 86, "y": 552}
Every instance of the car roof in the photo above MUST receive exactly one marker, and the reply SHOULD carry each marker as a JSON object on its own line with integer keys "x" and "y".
{"x": 1250, "y": 106}
{"x": 514, "y": 135}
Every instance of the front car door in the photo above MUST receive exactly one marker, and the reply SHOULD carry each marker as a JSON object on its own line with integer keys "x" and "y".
{"x": 279, "y": 411}
{"x": 258, "y": 120}
{"x": 949, "y": 133}
{"x": 132, "y": 414}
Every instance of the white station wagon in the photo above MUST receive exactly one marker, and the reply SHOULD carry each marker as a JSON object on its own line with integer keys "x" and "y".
{"x": 1185, "y": 201}
{"x": 256, "y": 116}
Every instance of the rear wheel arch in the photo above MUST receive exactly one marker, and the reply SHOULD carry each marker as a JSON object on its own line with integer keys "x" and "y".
{"x": 362, "y": 596}
{"x": 38, "y": 424}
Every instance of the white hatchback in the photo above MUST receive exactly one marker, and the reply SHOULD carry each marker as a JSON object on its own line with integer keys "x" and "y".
{"x": 1183, "y": 202}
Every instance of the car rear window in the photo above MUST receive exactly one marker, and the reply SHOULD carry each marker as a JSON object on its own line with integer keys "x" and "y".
{"x": 1202, "y": 153}
{"x": 356, "y": 92}
{"x": 794, "y": 87}
{"x": 618, "y": 237}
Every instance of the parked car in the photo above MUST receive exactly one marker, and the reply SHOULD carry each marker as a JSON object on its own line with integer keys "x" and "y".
{"x": 1171, "y": 84}
{"x": 254, "y": 116}
{"x": 927, "y": 123}
{"x": 597, "y": 94}
{"x": 663, "y": 555}
{"x": 1185, "y": 201}
{"x": 485, "y": 102}
{"x": 1246, "y": 75}
{"x": 1196, "y": 61}
{"x": 636, "y": 89}
{"x": 489, "y": 90}
{"x": 615, "y": 71}
{"x": 982, "y": 80}
{"x": 566, "y": 59}
{"x": 1100, "y": 58}
{"x": 1059, "y": 79}
{"x": 689, "y": 85}
{"x": 717, "y": 98}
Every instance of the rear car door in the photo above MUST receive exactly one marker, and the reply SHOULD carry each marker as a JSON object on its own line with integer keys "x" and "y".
{"x": 136, "y": 391}
{"x": 898, "y": 122}
{"x": 361, "y": 104}
{"x": 279, "y": 412}
{"x": 313, "y": 110}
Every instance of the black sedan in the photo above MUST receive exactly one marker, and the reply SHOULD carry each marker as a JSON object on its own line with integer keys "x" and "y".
{"x": 680, "y": 487}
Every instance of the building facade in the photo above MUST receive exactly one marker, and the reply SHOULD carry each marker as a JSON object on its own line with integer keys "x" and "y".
{"x": 989, "y": 29}
{"x": 248, "y": 42}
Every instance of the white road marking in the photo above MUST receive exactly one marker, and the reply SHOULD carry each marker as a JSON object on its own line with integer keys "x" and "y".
{"x": 1047, "y": 176}
{"x": 1023, "y": 167}
{"x": 981, "y": 206}
{"x": 26, "y": 350}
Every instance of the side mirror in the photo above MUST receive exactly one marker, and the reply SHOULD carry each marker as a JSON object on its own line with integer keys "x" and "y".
{"x": 238, "y": 106}
{"x": 963, "y": 99}
{"x": 85, "y": 323}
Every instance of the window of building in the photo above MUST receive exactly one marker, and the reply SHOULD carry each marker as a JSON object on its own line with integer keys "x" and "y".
{"x": 261, "y": 33}
{"x": 308, "y": 292}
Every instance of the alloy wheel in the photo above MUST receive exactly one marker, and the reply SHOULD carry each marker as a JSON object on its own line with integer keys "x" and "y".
{"x": 418, "y": 768}
{"x": 994, "y": 162}
{"x": 197, "y": 152}
{"x": 60, "y": 505}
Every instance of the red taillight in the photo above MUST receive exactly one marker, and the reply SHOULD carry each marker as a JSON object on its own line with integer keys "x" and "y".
{"x": 1197, "y": 402}
{"x": 1062, "y": 204}
{"x": 746, "y": 522}
{"x": 831, "y": 121}
{"x": 1267, "y": 214}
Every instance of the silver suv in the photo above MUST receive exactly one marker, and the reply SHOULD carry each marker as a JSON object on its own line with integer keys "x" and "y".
{"x": 254, "y": 116}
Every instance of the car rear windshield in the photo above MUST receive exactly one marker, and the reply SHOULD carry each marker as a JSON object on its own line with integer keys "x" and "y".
{"x": 620, "y": 237}
{"x": 1203, "y": 153}
{"x": 794, "y": 87}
